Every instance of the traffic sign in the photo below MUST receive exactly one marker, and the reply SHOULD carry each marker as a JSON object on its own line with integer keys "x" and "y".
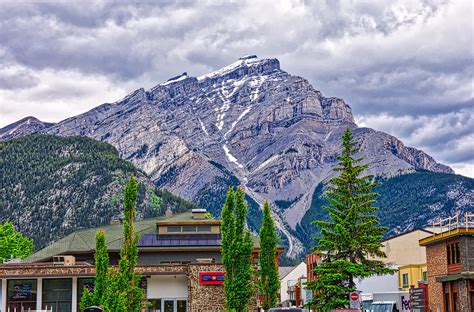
{"x": 354, "y": 300}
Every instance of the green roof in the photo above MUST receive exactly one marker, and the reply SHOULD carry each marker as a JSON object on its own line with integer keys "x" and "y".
{"x": 84, "y": 240}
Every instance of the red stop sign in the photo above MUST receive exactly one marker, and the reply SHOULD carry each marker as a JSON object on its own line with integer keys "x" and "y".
{"x": 354, "y": 296}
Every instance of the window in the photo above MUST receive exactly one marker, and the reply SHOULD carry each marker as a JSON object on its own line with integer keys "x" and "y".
{"x": 204, "y": 228}
{"x": 21, "y": 295}
{"x": 174, "y": 229}
{"x": 424, "y": 276}
{"x": 57, "y": 294}
{"x": 405, "y": 280}
{"x": 83, "y": 283}
{"x": 454, "y": 254}
{"x": 189, "y": 228}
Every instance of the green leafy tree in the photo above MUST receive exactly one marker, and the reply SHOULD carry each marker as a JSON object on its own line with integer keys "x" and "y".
{"x": 236, "y": 252}
{"x": 123, "y": 287}
{"x": 269, "y": 282}
{"x": 13, "y": 244}
{"x": 101, "y": 259}
{"x": 351, "y": 237}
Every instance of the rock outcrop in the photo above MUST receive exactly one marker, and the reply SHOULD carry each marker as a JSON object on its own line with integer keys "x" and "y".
{"x": 249, "y": 121}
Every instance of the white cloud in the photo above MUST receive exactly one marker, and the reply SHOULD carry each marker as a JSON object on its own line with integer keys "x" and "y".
{"x": 404, "y": 62}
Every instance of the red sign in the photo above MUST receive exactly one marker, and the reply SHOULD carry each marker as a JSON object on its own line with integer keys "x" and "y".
{"x": 211, "y": 278}
{"x": 354, "y": 296}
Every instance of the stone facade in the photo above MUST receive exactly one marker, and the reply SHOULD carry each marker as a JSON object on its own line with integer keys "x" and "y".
{"x": 205, "y": 298}
{"x": 436, "y": 264}
{"x": 201, "y": 298}
{"x": 48, "y": 270}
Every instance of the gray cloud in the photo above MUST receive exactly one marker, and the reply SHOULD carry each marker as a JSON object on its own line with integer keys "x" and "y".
{"x": 403, "y": 62}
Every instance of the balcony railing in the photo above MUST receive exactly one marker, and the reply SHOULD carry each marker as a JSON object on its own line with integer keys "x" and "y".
{"x": 452, "y": 223}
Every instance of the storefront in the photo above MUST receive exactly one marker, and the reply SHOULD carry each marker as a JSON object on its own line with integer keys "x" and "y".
{"x": 168, "y": 293}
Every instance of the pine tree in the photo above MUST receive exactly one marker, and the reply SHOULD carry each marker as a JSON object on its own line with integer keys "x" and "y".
{"x": 236, "y": 252}
{"x": 101, "y": 258}
{"x": 269, "y": 282}
{"x": 351, "y": 236}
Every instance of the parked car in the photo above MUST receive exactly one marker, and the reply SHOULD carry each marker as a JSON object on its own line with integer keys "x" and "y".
{"x": 286, "y": 310}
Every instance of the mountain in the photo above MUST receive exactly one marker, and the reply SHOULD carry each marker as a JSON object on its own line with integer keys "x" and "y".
{"x": 52, "y": 186}
{"x": 249, "y": 123}
{"x": 22, "y": 127}
{"x": 406, "y": 202}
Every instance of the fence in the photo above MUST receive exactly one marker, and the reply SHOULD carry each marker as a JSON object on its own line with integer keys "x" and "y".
{"x": 451, "y": 223}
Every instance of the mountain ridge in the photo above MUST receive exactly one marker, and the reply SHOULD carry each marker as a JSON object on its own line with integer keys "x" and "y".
{"x": 248, "y": 123}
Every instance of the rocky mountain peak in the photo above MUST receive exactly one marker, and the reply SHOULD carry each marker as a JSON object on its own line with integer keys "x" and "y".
{"x": 22, "y": 127}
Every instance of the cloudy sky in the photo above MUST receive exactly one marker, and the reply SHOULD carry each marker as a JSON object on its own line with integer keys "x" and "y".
{"x": 405, "y": 67}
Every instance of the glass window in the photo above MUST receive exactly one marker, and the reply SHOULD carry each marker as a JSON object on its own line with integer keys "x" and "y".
{"x": 21, "y": 295}
{"x": 204, "y": 228}
{"x": 424, "y": 276}
{"x": 181, "y": 305}
{"x": 458, "y": 253}
{"x": 155, "y": 305}
{"x": 83, "y": 283}
{"x": 405, "y": 279}
{"x": 448, "y": 252}
{"x": 57, "y": 294}
{"x": 174, "y": 229}
{"x": 189, "y": 228}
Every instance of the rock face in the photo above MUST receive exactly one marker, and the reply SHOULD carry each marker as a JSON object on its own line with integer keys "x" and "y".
{"x": 250, "y": 122}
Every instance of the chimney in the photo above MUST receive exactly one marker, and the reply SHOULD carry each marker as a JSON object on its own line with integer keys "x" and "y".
{"x": 199, "y": 214}
{"x": 168, "y": 213}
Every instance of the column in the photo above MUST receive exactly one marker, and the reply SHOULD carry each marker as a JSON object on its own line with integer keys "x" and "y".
{"x": 74, "y": 295}
{"x": 4, "y": 294}
{"x": 39, "y": 293}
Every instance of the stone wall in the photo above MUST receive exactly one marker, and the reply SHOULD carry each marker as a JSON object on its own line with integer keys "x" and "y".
{"x": 49, "y": 270}
{"x": 205, "y": 298}
{"x": 436, "y": 266}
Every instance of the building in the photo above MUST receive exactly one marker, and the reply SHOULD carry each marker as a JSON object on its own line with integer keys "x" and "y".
{"x": 404, "y": 252}
{"x": 179, "y": 258}
{"x": 312, "y": 261}
{"x": 450, "y": 261}
{"x": 289, "y": 276}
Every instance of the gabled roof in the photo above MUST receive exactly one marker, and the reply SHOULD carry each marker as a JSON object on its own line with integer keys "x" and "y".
{"x": 284, "y": 271}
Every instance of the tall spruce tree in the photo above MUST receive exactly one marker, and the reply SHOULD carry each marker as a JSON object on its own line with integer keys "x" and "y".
{"x": 101, "y": 259}
{"x": 351, "y": 237}
{"x": 269, "y": 282}
{"x": 236, "y": 252}
{"x": 124, "y": 293}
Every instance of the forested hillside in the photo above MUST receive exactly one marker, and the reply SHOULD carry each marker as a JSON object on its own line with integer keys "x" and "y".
{"x": 51, "y": 186}
{"x": 406, "y": 202}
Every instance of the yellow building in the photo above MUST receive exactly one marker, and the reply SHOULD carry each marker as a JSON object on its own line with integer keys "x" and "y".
{"x": 409, "y": 275}
{"x": 404, "y": 251}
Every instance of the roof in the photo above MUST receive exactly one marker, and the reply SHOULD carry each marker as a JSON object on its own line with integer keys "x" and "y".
{"x": 284, "y": 271}
{"x": 405, "y": 233}
{"x": 186, "y": 218}
{"x": 436, "y": 238}
{"x": 84, "y": 240}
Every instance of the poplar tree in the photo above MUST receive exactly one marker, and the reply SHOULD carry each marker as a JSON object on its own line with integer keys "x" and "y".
{"x": 237, "y": 247}
{"x": 124, "y": 292}
{"x": 351, "y": 237}
{"x": 101, "y": 261}
{"x": 269, "y": 281}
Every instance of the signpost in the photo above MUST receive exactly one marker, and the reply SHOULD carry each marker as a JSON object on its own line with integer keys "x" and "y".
{"x": 354, "y": 299}
{"x": 417, "y": 298}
